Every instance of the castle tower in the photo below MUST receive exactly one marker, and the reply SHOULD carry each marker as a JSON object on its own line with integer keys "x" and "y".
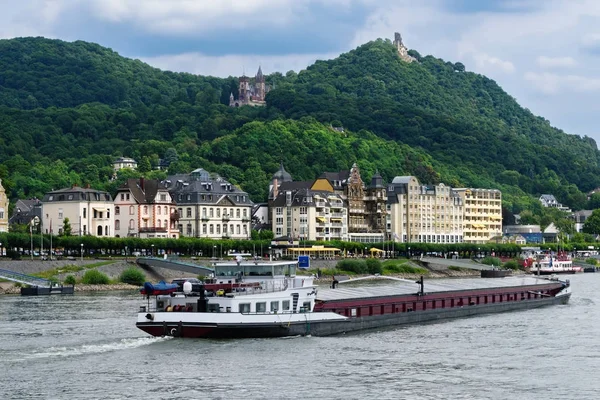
{"x": 244, "y": 91}
{"x": 355, "y": 193}
{"x": 260, "y": 85}
{"x": 402, "y": 49}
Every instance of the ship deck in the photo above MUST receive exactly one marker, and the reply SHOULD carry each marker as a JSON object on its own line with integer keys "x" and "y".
{"x": 347, "y": 290}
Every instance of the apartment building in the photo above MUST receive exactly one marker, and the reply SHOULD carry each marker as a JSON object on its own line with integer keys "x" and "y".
{"x": 144, "y": 208}
{"x": 90, "y": 211}
{"x": 209, "y": 206}
{"x": 423, "y": 213}
{"x": 482, "y": 215}
{"x": 301, "y": 213}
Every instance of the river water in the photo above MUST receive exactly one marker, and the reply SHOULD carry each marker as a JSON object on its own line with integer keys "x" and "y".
{"x": 86, "y": 346}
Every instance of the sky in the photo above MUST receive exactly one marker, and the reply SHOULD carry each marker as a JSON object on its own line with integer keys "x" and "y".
{"x": 544, "y": 53}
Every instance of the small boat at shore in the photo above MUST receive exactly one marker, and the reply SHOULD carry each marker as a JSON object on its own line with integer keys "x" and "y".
{"x": 267, "y": 299}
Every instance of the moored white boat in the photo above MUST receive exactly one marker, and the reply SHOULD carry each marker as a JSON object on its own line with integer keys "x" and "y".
{"x": 554, "y": 264}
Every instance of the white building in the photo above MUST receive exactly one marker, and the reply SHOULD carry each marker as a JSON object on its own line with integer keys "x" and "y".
{"x": 89, "y": 211}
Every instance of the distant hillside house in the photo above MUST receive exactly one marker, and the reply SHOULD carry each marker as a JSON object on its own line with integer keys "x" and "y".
{"x": 209, "y": 206}
{"x": 144, "y": 208}
{"x": 580, "y": 217}
{"x": 90, "y": 211}
{"x": 25, "y": 211}
{"x": 251, "y": 94}
{"x": 3, "y": 209}
{"x": 124, "y": 162}
{"x": 548, "y": 200}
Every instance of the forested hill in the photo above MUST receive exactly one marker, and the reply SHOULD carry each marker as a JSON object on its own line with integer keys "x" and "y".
{"x": 39, "y": 72}
{"x": 458, "y": 117}
{"x": 68, "y": 109}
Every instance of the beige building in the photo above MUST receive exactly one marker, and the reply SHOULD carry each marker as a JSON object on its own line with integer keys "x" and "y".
{"x": 423, "y": 213}
{"x": 301, "y": 213}
{"x": 90, "y": 211}
{"x": 144, "y": 208}
{"x": 483, "y": 214}
{"x": 3, "y": 209}
{"x": 124, "y": 162}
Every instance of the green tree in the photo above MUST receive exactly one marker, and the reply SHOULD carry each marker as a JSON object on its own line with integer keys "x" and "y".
{"x": 592, "y": 223}
{"x": 66, "y": 227}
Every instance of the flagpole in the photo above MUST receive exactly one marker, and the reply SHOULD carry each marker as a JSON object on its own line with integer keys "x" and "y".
{"x": 50, "y": 238}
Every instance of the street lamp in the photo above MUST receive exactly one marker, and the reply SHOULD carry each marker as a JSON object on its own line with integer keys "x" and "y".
{"x": 214, "y": 249}
{"x": 81, "y": 252}
{"x": 152, "y": 250}
{"x": 1, "y": 249}
{"x": 270, "y": 256}
{"x": 408, "y": 251}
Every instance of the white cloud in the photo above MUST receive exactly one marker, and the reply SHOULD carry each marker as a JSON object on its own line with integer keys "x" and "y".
{"x": 550, "y": 83}
{"x": 556, "y": 62}
{"x": 233, "y": 64}
{"x": 487, "y": 62}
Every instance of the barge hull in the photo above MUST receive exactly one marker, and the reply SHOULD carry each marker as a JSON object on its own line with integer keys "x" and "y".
{"x": 328, "y": 328}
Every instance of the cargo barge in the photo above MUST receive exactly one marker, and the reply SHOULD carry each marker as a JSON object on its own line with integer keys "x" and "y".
{"x": 267, "y": 299}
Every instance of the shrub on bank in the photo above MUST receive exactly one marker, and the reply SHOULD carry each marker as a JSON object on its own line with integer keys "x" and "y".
{"x": 492, "y": 261}
{"x": 95, "y": 277}
{"x": 356, "y": 266}
{"x": 374, "y": 266}
{"x": 133, "y": 276}
{"x": 70, "y": 280}
{"x": 591, "y": 261}
{"x": 512, "y": 264}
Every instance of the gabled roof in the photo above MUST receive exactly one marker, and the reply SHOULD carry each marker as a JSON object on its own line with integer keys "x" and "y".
{"x": 143, "y": 190}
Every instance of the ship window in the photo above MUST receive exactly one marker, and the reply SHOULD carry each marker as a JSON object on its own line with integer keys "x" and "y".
{"x": 274, "y": 306}
{"x": 353, "y": 312}
{"x": 305, "y": 306}
{"x": 285, "y": 305}
{"x": 244, "y": 307}
{"x": 261, "y": 307}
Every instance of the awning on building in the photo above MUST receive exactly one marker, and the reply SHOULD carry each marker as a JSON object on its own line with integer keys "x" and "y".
{"x": 321, "y": 219}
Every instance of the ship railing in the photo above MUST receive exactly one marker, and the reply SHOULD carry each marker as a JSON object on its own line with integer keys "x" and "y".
{"x": 265, "y": 287}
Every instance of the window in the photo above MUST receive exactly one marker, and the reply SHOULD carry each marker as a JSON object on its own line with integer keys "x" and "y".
{"x": 60, "y": 213}
{"x": 189, "y": 229}
{"x": 261, "y": 306}
{"x": 218, "y": 212}
{"x": 230, "y": 212}
{"x": 131, "y": 210}
{"x": 224, "y": 229}
{"x": 237, "y": 213}
{"x": 84, "y": 212}
{"x": 303, "y": 210}
{"x": 70, "y": 197}
{"x": 245, "y": 230}
{"x": 117, "y": 225}
{"x": 211, "y": 229}
{"x": 158, "y": 223}
{"x": 189, "y": 197}
{"x": 166, "y": 223}
{"x": 245, "y": 307}
{"x": 204, "y": 229}
{"x": 244, "y": 213}
{"x": 165, "y": 208}
{"x": 117, "y": 211}
{"x": 306, "y": 306}
{"x": 188, "y": 212}
{"x": 279, "y": 210}
{"x": 211, "y": 212}
{"x": 145, "y": 210}
{"x": 237, "y": 229}
{"x": 163, "y": 197}
{"x": 274, "y": 306}
{"x": 50, "y": 198}
{"x": 203, "y": 212}
{"x": 285, "y": 305}
{"x": 131, "y": 224}
{"x": 158, "y": 211}
{"x": 122, "y": 196}
{"x": 127, "y": 196}
{"x": 218, "y": 229}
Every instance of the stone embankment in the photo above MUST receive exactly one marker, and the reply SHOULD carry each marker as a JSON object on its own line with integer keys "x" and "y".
{"x": 114, "y": 270}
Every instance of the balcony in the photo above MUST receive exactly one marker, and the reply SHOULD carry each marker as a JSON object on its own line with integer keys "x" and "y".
{"x": 225, "y": 218}
{"x": 205, "y": 218}
{"x": 245, "y": 219}
{"x": 153, "y": 229}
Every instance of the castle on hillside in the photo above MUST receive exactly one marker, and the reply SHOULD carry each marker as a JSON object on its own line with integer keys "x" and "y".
{"x": 402, "y": 49}
{"x": 250, "y": 94}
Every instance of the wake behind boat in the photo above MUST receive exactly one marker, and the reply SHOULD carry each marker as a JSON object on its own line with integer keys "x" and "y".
{"x": 267, "y": 299}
